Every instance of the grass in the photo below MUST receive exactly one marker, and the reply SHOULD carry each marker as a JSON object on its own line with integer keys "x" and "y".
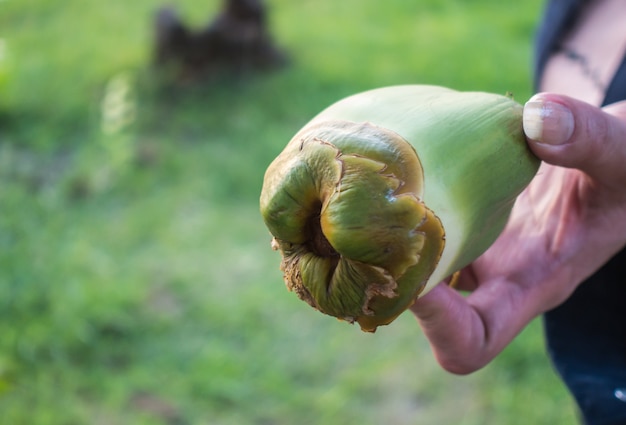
{"x": 136, "y": 282}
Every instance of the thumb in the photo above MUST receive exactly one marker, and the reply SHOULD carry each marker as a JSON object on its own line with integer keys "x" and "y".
{"x": 570, "y": 133}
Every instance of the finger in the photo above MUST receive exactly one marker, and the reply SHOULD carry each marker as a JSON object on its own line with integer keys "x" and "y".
{"x": 465, "y": 333}
{"x": 617, "y": 109}
{"x": 570, "y": 133}
{"x": 451, "y": 328}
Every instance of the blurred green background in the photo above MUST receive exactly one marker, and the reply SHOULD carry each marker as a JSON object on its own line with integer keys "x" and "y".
{"x": 137, "y": 283}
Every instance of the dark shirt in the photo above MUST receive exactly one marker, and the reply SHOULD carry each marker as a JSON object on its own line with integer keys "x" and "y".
{"x": 586, "y": 335}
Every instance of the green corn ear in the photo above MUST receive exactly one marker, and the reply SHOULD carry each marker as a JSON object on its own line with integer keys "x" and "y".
{"x": 388, "y": 192}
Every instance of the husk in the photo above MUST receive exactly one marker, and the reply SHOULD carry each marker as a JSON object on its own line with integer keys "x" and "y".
{"x": 359, "y": 199}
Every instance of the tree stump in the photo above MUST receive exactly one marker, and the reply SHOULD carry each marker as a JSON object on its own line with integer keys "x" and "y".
{"x": 236, "y": 42}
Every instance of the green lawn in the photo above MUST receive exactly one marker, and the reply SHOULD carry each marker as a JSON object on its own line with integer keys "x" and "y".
{"x": 137, "y": 284}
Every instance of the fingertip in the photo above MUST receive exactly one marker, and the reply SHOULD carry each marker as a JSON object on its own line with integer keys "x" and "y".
{"x": 429, "y": 304}
{"x": 570, "y": 133}
{"x": 547, "y": 122}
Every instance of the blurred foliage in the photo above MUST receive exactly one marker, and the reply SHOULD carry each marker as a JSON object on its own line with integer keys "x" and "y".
{"x": 137, "y": 283}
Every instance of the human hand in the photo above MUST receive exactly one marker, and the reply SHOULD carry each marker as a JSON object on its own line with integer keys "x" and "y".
{"x": 568, "y": 222}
